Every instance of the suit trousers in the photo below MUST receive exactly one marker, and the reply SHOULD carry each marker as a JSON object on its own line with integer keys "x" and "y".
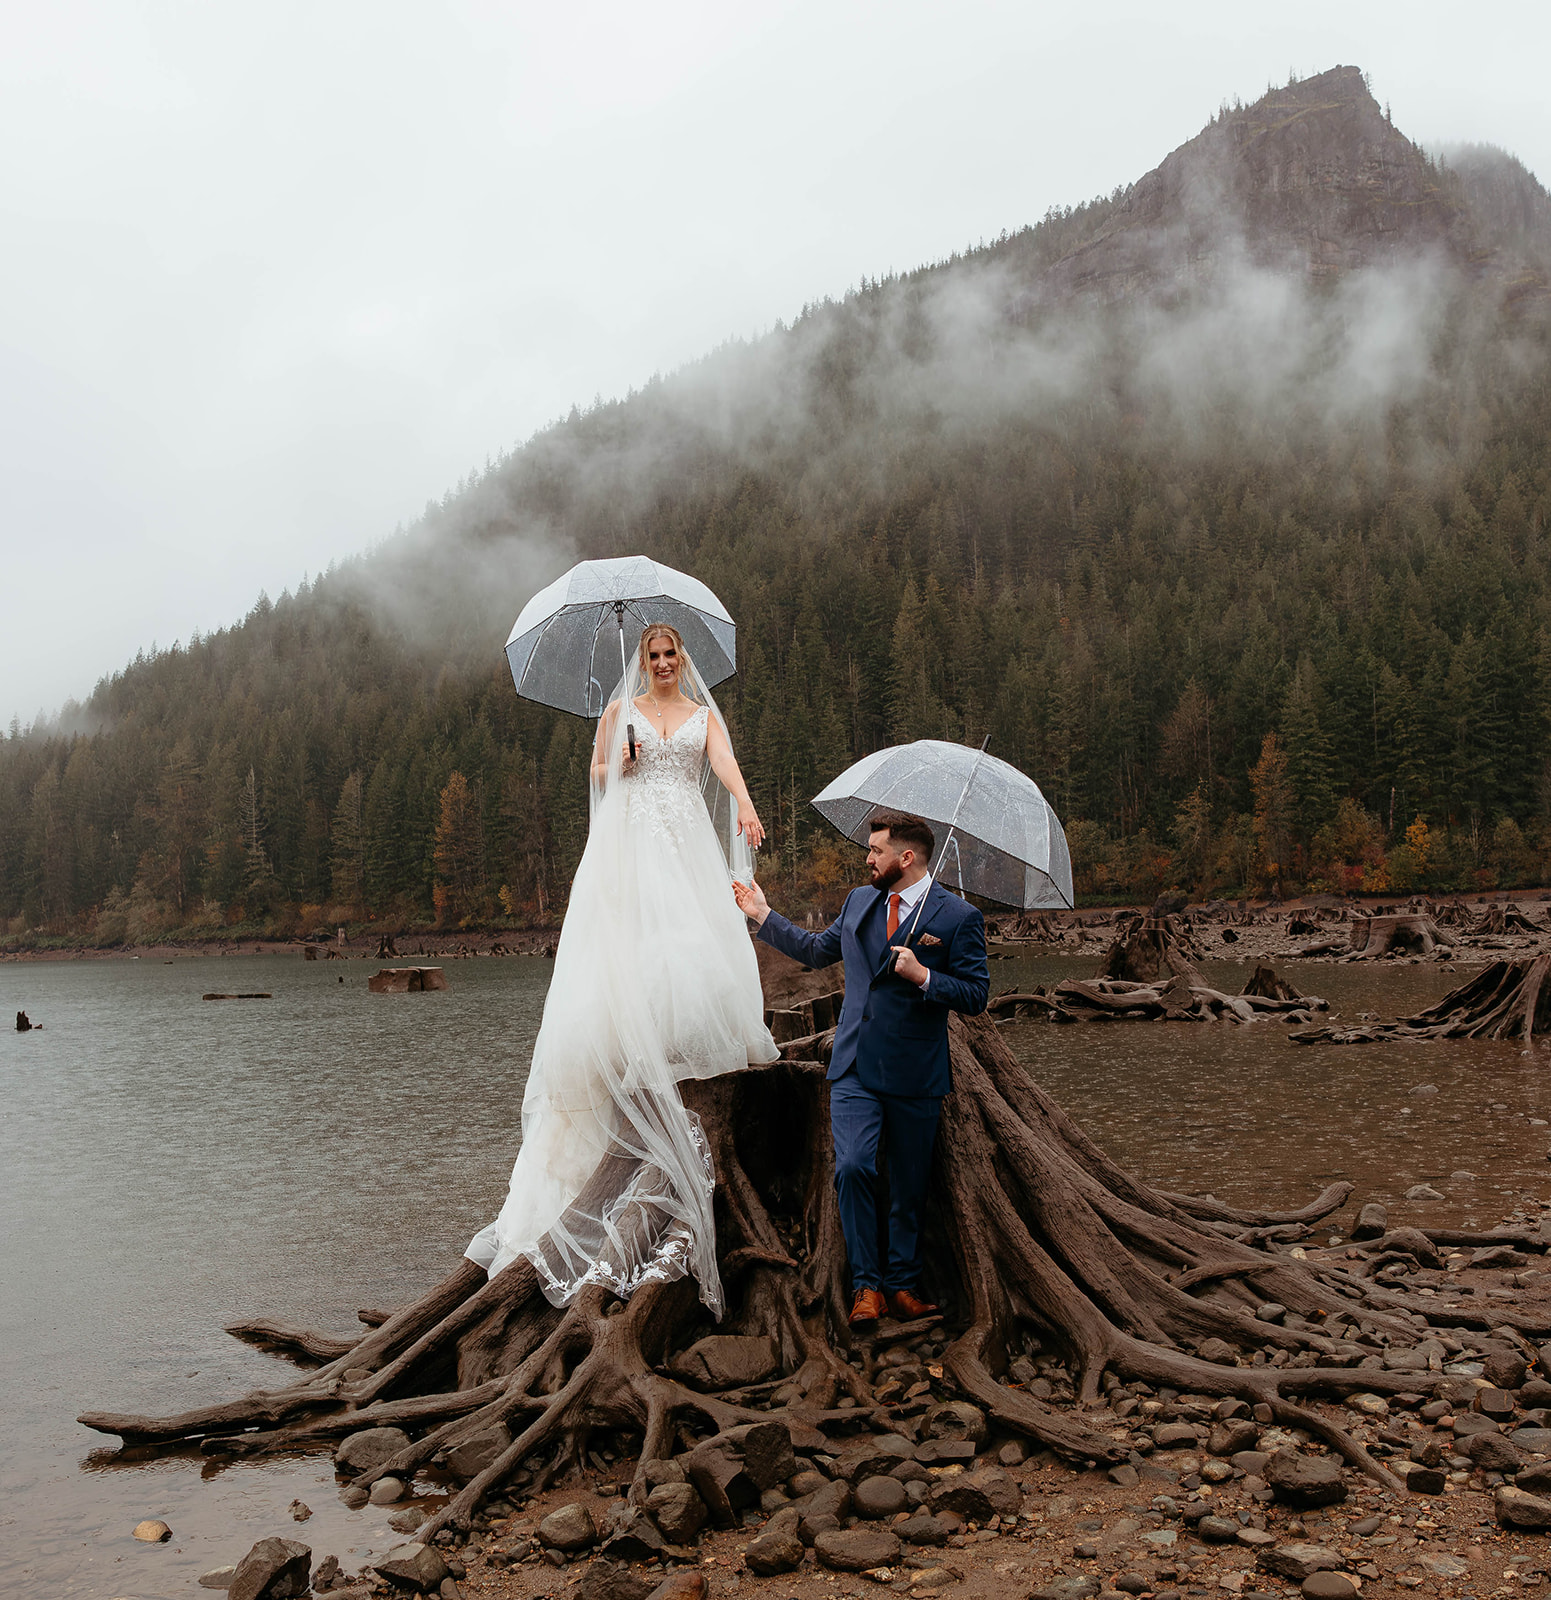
{"x": 857, "y": 1119}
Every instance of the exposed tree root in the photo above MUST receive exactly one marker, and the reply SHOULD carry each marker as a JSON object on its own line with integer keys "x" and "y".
{"x": 1506, "y": 1000}
{"x": 1040, "y": 1242}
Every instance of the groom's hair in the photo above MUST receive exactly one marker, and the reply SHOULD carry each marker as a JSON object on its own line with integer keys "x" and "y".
{"x": 905, "y": 830}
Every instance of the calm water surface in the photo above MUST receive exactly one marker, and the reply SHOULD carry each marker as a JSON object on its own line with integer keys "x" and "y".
{"x": 169, "y": 1165}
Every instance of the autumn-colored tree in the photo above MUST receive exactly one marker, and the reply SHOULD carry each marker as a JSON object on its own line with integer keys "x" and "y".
{"x": 459, "y": 854}
{"x": 1193, "y": 835}
{"x": 1348, "y": 852}
{"x": 1273, "y": 808}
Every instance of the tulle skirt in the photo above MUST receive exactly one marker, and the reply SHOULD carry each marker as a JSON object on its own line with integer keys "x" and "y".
{"x": 655, "y": 981}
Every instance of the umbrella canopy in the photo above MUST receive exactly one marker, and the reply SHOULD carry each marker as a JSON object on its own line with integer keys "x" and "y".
{"x": 564, "y": 649}
{"x": 1007, "y": 843}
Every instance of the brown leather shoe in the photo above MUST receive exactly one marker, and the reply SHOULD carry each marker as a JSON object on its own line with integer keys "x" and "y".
{"x": 907, "y": 1308}
{"x": 868, "y": 1308}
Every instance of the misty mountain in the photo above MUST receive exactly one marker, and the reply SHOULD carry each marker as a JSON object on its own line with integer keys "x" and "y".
{"x": 1257, "y": 446}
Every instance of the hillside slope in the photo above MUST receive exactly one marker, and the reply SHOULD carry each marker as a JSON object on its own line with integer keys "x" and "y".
{"x": 1256, "y": 447}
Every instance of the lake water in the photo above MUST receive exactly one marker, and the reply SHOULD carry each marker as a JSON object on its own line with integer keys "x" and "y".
{"x": 169, "y": 1165}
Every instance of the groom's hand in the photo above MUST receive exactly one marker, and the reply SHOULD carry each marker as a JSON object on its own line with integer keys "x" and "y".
{"x": 906, "y": 965}
{"x": 751, "y": 901}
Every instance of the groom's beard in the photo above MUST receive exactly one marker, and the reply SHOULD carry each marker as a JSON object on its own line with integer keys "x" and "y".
{"x": 888, "y": 877}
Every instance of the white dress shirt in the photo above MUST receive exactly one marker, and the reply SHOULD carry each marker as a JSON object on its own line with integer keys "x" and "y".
{"x": 909, "y": 899}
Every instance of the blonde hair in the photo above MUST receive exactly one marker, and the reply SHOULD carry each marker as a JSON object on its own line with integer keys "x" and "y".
{"x": 662, "y": 630}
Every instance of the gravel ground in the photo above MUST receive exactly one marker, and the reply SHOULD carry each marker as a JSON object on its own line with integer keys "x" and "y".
{"x": 1177, "y": 1521}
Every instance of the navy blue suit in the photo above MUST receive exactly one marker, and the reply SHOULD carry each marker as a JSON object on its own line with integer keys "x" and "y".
{"x": 889, "y": 1066}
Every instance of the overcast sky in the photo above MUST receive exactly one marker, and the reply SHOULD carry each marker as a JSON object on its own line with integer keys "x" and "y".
{"x": 275, "y": 275}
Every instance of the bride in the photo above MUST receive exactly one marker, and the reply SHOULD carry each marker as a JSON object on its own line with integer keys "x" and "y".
{"x": 655, "y": 981}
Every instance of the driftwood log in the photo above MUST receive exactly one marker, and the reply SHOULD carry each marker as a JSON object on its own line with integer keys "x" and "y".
{"x": 1506, "y": 1000}
{"x": 1037, "y": 1241}
{"x": 1176, "y": 992}
{"x": 1181, "y": 999}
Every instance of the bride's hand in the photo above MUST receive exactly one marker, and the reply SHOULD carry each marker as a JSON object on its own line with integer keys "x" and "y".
{"x": 752, "y": 829}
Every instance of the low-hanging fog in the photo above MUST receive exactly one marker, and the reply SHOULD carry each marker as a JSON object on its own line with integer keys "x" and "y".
{"x": 277, "y": 281}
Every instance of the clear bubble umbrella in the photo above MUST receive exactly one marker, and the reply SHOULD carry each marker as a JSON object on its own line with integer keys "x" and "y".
{"x": 566, "y": 645}
{"x": 997, "y": 834}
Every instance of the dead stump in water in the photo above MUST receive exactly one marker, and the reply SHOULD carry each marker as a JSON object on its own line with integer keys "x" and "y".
{"x": 1148, "y": 948}
{"x": 1266, "y": 985}
{"x": 407, "y": 980}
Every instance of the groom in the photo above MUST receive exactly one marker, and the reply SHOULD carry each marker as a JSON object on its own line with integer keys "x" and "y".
{"x": 889, "y": 1066}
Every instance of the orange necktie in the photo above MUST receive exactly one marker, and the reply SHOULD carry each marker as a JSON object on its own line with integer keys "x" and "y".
{"x": 893, "y": 915}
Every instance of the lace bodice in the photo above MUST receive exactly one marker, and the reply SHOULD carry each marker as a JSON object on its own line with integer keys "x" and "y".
{"x": 666, "y": 779}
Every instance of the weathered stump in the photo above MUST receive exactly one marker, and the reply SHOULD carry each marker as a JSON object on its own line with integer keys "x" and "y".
{"x": 407, "y": 980}
{"x": 1266, "y": 985}
{"x": 1148, "y": 948}
{"x": 1498, "y": 919}
{"x": 1375, "y": 937}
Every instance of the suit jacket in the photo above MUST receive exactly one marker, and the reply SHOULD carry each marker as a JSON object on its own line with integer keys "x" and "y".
{"x": 895, "y": 1036}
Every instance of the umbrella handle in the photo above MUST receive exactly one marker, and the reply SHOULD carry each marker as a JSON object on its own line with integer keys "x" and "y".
{"x": 624, "y": 675}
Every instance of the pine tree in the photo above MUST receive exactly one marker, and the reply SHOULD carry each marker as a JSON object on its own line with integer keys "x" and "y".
{"x": 459, "y": 853}
{"x": 49, "y": 849}
{"x": 180, "y": 827}
{"x": 347, "y": 846}
{"x": 1307, "y": 749}
{"x": 258, "y": 876}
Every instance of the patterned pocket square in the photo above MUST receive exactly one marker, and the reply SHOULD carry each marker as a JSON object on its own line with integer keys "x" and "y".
{"x": 928, "y": 939}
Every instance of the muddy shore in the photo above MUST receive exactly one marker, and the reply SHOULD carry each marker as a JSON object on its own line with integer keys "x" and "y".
{"x": 1205, "y": 1504}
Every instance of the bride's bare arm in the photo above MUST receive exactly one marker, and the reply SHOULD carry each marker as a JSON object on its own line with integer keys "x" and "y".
{"x": 724, "y": 765}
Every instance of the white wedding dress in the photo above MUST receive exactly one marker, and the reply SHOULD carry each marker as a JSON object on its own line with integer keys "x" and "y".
{"x": 655, "y": 981}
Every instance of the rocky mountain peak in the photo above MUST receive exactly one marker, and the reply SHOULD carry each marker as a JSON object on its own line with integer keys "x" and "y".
{"x": 1313, "y": 177}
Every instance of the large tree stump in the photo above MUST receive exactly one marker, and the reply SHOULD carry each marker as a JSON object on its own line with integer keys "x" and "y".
{"x": 1035, "y": 1239}
{"x": 1266, "y": 985}
{"x": 1033, "y": 927}
{"x": 1146, "y": 949}
{"x": 1497, "y": 919}
{"x": 1375, "y": 937}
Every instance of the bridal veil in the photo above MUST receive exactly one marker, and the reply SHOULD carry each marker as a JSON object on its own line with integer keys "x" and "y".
{"x": 655, "y": 981}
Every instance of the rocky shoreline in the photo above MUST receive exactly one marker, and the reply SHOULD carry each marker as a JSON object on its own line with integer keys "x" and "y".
{"x": 1322, "y": 928}
{"x": 1213, "y": 1498}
